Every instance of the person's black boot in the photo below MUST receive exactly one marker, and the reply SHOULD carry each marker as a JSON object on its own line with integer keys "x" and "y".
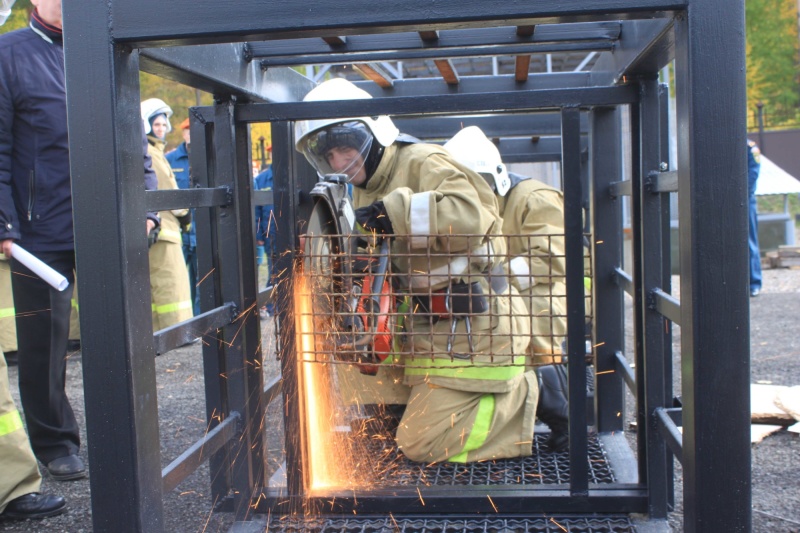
{"x": 553, "y": 408}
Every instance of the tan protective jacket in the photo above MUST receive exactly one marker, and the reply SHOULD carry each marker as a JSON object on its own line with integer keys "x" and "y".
{"x": 170, "y": 228}
{"x": 533, "y": 220}
{"x": 429, "y": 196}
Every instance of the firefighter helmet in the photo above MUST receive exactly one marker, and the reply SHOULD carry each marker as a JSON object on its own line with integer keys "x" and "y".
{"x": 314, "y": 138}
{"x": 152, "y": 107}
{"x": 472, "y": 148}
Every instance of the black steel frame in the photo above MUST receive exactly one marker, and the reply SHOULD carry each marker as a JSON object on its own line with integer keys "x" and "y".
{"x": 705, "y": 39}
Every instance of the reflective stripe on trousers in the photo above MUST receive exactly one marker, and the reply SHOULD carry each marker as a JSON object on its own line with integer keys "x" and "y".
{"x": 480, "y": 428}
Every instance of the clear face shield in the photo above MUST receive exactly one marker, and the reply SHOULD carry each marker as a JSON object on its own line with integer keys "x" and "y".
{"x": 340, "y": 149}
{"x": 5, "y": 10}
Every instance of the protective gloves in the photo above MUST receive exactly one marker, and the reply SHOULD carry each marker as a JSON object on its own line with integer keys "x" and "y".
{"x": 373, "y": 219}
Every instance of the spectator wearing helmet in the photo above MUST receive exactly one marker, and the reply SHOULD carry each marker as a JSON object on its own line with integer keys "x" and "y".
{"x": 533, "y": 223}
{"x": 169, "y": 279}
{"x": 456, "y": 412}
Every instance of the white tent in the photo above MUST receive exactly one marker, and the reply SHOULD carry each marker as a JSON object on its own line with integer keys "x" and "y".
{"x": 772, "y": 179}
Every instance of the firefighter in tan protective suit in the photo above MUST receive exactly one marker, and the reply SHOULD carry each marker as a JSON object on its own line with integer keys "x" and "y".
{"x": 533, "y": 221}
{"x": 169, "y": 279}
{"x": 470, "y": 397}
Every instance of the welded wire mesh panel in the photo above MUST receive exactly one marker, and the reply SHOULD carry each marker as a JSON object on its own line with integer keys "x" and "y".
{"x": 391, "y": 524}
{"x": 433, "y": 302}
{"x": 541, "y": 468}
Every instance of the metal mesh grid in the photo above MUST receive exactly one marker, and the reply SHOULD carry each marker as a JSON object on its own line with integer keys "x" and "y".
{"x": 541, "y": 468}
{"x": 554, "y": 524}
{"x": 431, "y": 307}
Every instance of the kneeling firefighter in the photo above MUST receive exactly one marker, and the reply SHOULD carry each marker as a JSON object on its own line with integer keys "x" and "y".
{"x": 469, "y": 395}
{"x": 533, "y": 221}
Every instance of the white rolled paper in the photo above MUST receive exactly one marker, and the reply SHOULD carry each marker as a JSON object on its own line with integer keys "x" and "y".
{"x": 44, "y": 271}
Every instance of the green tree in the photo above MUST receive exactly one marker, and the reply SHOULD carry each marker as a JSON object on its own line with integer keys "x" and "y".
{"x": 772, "y": 56}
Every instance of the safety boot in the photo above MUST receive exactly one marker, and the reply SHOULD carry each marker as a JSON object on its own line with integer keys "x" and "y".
{"x": 553, "y": 408}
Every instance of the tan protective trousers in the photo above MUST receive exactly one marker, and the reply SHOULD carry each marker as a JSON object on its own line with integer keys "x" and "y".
{"x": 19, "y": 473}
{"x": 8, "y": 325}
{"x": 448, "y": 425}
{"x": 169, "y": 285}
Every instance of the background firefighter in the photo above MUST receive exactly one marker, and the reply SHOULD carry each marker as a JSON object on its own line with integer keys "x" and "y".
{"x": 169, "y": 279}
{"x": 456, "y": 411}
{"x": 533, "y": 221}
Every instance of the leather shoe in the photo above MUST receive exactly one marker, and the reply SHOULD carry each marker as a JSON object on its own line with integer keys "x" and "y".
{"x": 34, "y": 505}
{"x": 755, "y": 291}
{"x": 66, "y": 468}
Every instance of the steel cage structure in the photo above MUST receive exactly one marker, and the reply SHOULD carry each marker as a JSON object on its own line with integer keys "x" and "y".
{"x": 107, "y": 43}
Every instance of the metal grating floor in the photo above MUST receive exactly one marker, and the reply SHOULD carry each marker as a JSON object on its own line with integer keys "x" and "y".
{"x": 392, "y": 468}
{"x": 556, "y": 524}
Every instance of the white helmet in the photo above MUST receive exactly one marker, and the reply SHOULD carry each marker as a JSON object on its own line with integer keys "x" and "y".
{"x": 314, "y": 137}
{"x": 152, "y": 107}
{"x": 472, "y": 148}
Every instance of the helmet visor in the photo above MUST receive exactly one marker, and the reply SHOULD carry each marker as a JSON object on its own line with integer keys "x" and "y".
{"x": 339, "y": 149}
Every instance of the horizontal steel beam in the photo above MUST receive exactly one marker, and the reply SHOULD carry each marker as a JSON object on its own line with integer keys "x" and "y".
{"x": 482, "y": 500}
{"x": 517, "y": 125}
{"x": 669, "y": 431}
{"x": 590, "y": 36}
{"x": 263, "y": 198}
{"x": 272, "y": 390}
{"x": 626, "y": 372}
{"x": 505, "y": 102}
{"x": 224, "y": 69}
{"x": 644, "y": 47}
{"x": 174, "y": 336}
{"x": 667, "y": 305}
{"x": 151, "y": 22}
{"x": 526, "y": 151}
{"x": 624, "y": 280}
{"x": 620, "y": 188}
{"x": 448, "y": 39}
{"x": 389, "y": 54}
{"x": 199, "y": 452}
{"x": 181, "y": 198}
{"x": 485, "y": 84}
{"x": 658, "y": 182}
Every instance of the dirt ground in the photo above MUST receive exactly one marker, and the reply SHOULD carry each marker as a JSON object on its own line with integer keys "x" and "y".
{"x": 775, "y": 346}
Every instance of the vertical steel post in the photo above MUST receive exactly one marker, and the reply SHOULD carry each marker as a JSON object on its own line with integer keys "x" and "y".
{"x": 666, "y": 275}
{"x": 576, "y": 309}
{"x": 203, "y": 163}
{"x": 109, "y": 215}
{"x": 715, "y": 324}
{"x": 237, "y": 278}
{"x": 649, "y": 266}
{"x": 638, "y": 295}
{"x": 605, "y": 153}
{"x": 294, "y": 177}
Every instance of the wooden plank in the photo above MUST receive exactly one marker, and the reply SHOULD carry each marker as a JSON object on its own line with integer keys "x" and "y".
{"x": 447, "y": 70}
{"x": 429, "y": 36}
{"x": 788, "y": 251}
{"x": 521, "y": 67}
{"x": 525, "y": 31}
{"x": 372, "y": 71}
{"x": 759, "y": 431}
{"x": 763, "y": 409}
{"x": 335, "y": 41}
{"x": 789, "y": 401}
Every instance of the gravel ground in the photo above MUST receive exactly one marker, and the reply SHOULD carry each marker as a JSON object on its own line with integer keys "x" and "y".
{"x": 776, "y": 460}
